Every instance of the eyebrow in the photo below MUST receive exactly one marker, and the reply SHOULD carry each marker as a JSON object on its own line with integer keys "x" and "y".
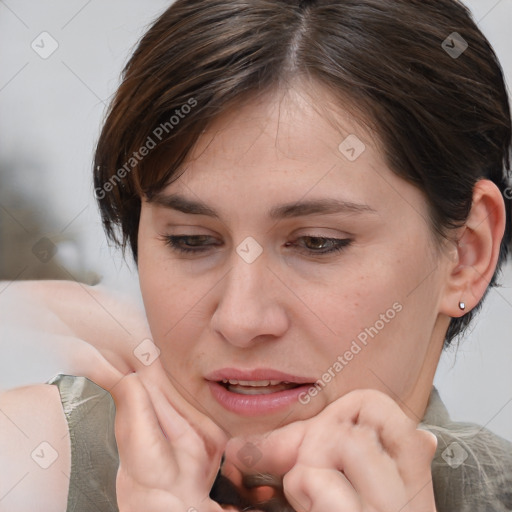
{"x": 326, "y": 206}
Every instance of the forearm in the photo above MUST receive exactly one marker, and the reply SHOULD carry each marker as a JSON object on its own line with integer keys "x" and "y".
{"x": 65, "y": 310}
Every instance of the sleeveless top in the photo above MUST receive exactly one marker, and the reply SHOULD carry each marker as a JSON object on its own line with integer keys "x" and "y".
{"x": 471, "y": 470}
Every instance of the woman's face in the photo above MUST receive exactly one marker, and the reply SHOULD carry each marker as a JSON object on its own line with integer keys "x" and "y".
{"x": 313, "y": 263}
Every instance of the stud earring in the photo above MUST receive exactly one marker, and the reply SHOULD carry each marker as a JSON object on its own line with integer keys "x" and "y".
{"x": 462, "y": 306}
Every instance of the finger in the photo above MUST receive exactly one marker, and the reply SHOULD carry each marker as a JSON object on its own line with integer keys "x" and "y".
{"x": 319, "y": 489}
{"x": 411, "y": 448}
{"x": 160, "y": 453}
{"x": 393, "y": 448}
{"x": 89, "y": 362}
{"x": 155, "y": 377}
{"x": 138, "y": 433}
{"x": 356, "y": 451}
{"x": 272, "y": 453}
{"x": 188, "y": 445}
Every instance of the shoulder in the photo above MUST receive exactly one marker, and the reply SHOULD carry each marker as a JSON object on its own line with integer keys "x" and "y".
{"x": 472, "y": 467}
{"x": 35, "y": 455}
{"x": 87, "y": 407}
{"x": 57, "y": 447}
{"x": 90, "y": 414}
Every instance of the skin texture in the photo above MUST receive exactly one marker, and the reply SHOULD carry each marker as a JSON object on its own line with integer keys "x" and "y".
{"x": 289, "y": 310}
{"x": 354, "y": 445}
{"x": 296, "y": 312}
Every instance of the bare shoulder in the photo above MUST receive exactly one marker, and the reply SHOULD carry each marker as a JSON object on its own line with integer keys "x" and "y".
{"x": 35, "y": 453}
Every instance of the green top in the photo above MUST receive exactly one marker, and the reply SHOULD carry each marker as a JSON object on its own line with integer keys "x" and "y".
{"x": 90, "y": 413}
{"x": 472, "y": 467}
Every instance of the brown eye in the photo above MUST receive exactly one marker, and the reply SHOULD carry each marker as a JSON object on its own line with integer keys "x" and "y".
{"x": 321, "y": 245}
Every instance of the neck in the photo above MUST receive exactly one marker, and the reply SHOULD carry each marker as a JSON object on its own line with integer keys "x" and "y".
{"x": 416, "y": 402}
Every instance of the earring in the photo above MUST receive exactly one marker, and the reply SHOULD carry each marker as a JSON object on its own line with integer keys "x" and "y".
{"x": 462, "y": 306}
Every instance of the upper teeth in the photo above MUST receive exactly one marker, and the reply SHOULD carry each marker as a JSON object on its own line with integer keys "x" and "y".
{"x": 253, "y": 382}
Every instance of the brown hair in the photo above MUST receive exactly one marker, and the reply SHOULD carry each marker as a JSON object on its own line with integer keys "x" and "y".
{"x": 443, "y": 118}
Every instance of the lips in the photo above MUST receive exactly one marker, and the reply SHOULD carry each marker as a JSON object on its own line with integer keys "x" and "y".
{"x": 257, "y": 391}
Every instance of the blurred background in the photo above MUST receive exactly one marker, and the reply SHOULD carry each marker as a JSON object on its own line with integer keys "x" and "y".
{"x": 61, "y": 62}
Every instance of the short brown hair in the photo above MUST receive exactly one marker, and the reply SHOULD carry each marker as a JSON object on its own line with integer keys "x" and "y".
{"x": 443, "y": 118}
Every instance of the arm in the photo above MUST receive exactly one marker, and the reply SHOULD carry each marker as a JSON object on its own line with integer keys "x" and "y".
{"x": 91, "y": 329}
{"x": 33, "y": 476}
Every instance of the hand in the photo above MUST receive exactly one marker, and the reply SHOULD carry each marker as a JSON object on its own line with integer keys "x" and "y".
{"x": 166, "y": 465}
{"x": 361, "y": 453}
{"x": 89, "y": 331}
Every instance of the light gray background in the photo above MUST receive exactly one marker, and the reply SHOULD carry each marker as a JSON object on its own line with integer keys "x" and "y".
{"x": 50, "y": 114}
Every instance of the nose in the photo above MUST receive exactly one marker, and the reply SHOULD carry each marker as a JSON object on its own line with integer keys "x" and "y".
{"x": 250, "y": 305}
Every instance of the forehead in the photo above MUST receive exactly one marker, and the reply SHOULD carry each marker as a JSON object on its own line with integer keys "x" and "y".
{"x": 294, "y": 124}
{"x": 289, "y": 146}
{"x": 284, "y": 141}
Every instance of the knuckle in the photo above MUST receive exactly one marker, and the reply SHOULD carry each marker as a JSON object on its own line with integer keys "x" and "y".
{"x": 424, "y": 446}
{"x": 428, "y": 443}
{"x": 296, "y": 479}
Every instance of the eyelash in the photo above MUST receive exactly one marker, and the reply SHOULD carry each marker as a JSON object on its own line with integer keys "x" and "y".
{"x": 173, "y": 241}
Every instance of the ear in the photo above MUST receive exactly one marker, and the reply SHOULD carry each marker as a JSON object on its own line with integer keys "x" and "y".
{"x": 476, "y": 255}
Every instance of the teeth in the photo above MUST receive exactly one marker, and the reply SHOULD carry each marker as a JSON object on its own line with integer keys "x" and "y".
{"x": 253, "y": 383}
{"x": 258, "y": 387}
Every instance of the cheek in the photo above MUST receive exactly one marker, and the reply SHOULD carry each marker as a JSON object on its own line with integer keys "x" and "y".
{"x": 376, "y": 315}
{"x": 159, "y": 287}
{"x": 354, "y": 299}
{"x": 174, "y": 303}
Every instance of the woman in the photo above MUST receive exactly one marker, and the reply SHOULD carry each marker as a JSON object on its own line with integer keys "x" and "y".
{"x": 316, "y": 196}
